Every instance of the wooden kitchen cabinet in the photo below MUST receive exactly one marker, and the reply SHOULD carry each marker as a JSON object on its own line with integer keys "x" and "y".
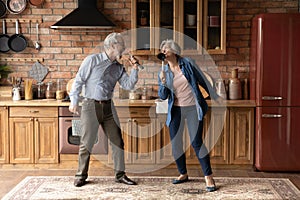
{"x": 214, "y": 26}
{"x": 4, "y": 141}
{"x": 138, "y": 126}
{"x": 163, "y": 142}
{"x": 192, "y": 23}
{"x": 241, "y": 135}
{"x": 228, "y": 133}
{"x": 215, "y": 137}
{"x": 33, "y": 134}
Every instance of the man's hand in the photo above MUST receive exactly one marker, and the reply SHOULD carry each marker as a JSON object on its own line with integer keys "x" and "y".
{"x": 134, "y": 62}
{"x": 74, "y": 109}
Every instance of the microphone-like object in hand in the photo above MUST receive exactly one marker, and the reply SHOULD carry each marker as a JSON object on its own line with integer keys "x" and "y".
{"x": 138, "y": 64}
{"x": 161, "y": 56}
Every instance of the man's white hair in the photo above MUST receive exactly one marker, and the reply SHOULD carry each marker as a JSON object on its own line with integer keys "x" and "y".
{"x": 111, "y": 39}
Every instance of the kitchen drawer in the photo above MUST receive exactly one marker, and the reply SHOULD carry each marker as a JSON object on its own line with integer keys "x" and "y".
{"x": 32, "y": 111}
{"x": 135, "y": 112}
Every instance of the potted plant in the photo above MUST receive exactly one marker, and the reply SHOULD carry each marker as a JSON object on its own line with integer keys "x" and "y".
{"x": 4, "y": 71}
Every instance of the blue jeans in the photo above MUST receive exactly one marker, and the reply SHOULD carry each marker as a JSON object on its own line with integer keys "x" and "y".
{"x": 195, "y": 129}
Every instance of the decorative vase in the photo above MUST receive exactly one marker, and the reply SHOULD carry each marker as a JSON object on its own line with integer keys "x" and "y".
{"x": 235, "y": 90}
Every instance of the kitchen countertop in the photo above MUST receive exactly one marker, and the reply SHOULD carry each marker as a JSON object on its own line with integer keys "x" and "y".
{"x": 6, "y": 101}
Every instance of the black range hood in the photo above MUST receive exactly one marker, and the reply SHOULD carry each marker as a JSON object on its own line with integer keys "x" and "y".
{"x": 86, "y": 16}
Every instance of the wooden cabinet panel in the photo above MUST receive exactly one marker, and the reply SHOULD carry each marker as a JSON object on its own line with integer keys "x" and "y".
{"x": 163, "y": 143}
{"x": 33, "y": 134}
{"x": 217, "y": 136}
{"x": 138, "y": 126}
{"x": 4, "y": 141}
{"x": 46, "y": 145}
{"x": 32, "y": 111}
{"x": 241, "y": 135}
{"x": 21, "y": 140}
{"x": 143, "y": 142}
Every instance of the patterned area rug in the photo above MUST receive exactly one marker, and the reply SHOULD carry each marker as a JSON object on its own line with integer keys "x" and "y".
{"x": 61, "y": 187}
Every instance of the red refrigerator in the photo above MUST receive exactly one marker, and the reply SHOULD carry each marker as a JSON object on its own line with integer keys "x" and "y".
{"x": 275, "y": 86}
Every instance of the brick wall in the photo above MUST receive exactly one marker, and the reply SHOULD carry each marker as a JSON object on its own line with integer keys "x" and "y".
{"x": 63, "y": 51}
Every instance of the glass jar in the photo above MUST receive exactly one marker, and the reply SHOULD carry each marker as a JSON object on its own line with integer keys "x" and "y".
{"x": 60, "y": 94}
{"x": 134, "y": 95}
{"x": 145, "y": 95}
{"x": 49, "y": 91}
{"x": 40, "y": 90}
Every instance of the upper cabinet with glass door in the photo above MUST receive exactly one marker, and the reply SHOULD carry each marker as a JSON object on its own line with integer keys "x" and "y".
{"x": 192, "y": 23}
{"x": 214, "y": 26}
{"x": 141, "y": 21}
{"x": 189, "y": 26}
{"x": 152, "y": 22}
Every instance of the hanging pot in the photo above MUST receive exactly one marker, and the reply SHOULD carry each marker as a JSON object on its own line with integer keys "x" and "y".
{"x": 17, "y": 42}
{"x": 16, "y": 6}
{"x": 36, "y": 2}
{"x": 4, "y": 40}
{"x": 2, "y": 9}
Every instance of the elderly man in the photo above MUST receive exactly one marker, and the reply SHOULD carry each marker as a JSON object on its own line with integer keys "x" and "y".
{"x": 99, "y": 74}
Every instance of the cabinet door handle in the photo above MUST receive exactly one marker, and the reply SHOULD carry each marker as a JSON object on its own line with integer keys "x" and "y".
{"x": 271, "y": 98}
{"x": 271, "y": 116}
{"x": 33, "y": 111}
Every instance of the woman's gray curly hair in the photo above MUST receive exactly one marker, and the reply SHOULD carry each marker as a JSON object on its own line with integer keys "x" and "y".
{"x": 172, "y": 45}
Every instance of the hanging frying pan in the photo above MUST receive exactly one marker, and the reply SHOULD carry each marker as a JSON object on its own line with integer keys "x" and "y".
{"x": 16, "y": 6}
{"x": 2, "y": 9}
{"x": 4, "y": 40}
{"x": 17, "y": 42}
{"x": 36, "y": 2}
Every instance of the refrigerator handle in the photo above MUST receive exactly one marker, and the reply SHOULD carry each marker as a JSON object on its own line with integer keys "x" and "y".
{"x": 271, "y": 116}
{"x": 271, "y": 98}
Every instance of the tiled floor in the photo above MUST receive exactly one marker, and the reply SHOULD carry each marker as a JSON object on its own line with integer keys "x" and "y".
{"x": 11, "y": 177}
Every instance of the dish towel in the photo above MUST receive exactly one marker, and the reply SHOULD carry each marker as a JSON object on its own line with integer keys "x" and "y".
{"x": 76, "y": 127}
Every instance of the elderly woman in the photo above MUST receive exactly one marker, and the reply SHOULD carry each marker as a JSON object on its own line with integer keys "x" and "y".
{"x": 178, "y": 82}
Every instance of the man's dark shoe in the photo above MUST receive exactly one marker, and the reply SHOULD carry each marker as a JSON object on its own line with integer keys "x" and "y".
{"x": 79, "y": 182}
{"x": 124, "y": 179}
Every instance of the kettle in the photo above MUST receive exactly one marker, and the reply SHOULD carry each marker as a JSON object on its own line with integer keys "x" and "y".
{"x": 16, "y": 94}
{"x": 221, "y": 88}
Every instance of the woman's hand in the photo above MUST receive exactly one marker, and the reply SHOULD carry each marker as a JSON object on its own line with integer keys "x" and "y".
{"x": 162, "y": 77}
